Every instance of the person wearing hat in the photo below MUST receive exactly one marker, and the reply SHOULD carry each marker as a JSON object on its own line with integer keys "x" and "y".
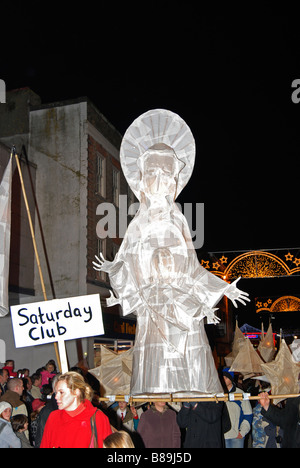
{"x": 8, "y": 438}
{"x": 37, "y": 405}
{"x": 240, "y": 413}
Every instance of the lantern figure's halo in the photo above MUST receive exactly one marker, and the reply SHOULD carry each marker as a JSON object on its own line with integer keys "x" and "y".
{"x": 161, "y": 130}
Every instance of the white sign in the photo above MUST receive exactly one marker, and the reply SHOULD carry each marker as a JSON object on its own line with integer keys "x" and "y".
{"x": 2, "y": 351}
{"x": 2, "y": 92}
{"x": 57, "y": 320}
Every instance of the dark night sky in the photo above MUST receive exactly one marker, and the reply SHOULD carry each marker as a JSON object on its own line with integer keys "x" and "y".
{"x": 228, "y": 77}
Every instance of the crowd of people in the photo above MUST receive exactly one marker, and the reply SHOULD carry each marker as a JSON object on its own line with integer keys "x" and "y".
{"x": 47, "y": 409}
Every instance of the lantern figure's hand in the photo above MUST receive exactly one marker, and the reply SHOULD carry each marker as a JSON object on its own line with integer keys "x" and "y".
{"x": 102, "y": 264}
{"x": 235, "y": 294}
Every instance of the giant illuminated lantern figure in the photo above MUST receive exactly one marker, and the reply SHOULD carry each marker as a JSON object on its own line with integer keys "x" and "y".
{"x": 156, "y": 274}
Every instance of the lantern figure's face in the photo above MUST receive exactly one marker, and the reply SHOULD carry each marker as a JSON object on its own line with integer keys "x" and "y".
{"x": 159, "y": 175}
{"x": 159, "y": 171}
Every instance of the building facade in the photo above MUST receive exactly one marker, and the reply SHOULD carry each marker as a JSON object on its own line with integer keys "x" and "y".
{"x": 70, "y": 159}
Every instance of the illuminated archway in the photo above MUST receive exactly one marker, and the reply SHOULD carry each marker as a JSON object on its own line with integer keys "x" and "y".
{"x": 281, "y": 304}
{"x": 256, "y": 265}
{"x": 253, "y": 264}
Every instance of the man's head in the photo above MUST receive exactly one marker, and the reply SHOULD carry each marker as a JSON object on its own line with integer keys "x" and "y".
{"x": 122, "y": 405}
{"x": 16, "y": 385}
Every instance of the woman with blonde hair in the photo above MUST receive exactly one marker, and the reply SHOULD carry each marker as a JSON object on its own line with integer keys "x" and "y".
{"x": 76, "y": 423}
{"x": 119, "y": 439}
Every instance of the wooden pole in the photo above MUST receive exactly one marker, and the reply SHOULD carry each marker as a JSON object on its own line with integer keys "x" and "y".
{"x": 34, "y": 242}
{"x": 170, "y": 398}
{"x": 237, "y": 397}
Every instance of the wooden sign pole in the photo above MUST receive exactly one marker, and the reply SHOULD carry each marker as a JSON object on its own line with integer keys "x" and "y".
{"x": 59, "y": 350}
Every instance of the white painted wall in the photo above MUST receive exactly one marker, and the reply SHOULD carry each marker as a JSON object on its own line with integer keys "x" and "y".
{"x": 58, "y": 145}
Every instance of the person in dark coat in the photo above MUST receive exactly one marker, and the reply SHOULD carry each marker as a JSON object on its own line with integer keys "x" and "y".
{"x": 203, "y": 423}
{"x": 42, "y": 419}
{"x": 51, "y": 405}
{"x": 288, "y": 418}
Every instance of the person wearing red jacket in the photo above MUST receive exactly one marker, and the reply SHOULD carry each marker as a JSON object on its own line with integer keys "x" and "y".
{"x": 9, "y": 366}
{"x": 70, "y": 425}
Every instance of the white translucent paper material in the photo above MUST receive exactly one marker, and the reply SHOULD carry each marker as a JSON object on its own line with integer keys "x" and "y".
{"x": 5, "y": 218}
{"x": 247, "y": 361}
{"x": 266, "y": 347}
{"x": 283, "y": 373}
{"x": 114, "y": 372}
{"x": 156, "y": 127}
{"x": 156, "y": 274}
{"x": 238, "y": 341}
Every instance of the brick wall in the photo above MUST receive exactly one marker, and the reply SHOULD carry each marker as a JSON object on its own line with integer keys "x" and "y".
{"x": 94, "y": 199}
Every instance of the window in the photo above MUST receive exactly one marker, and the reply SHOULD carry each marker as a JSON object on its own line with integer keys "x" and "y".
{"x": 101, "y": 175}
{"x": 101, "y": 248}
{"x": 115, "y": 249}
{"x": 115, "y": 186}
